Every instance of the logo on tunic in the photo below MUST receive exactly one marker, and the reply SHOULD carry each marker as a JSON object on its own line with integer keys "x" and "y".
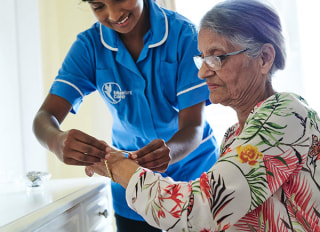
{"x": 113, "y": 92}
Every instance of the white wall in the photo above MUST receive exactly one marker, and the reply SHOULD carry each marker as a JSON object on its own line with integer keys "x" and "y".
{"x": 21, "y": 82}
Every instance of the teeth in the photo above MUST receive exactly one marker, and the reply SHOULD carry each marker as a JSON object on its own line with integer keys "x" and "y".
{"x": 122, "y": 21}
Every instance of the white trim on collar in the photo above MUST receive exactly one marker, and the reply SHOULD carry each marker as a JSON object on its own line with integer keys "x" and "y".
{"x": 150, "y": 46}
{"x": 104, "y": 43}
{"x": 165, "y": 35}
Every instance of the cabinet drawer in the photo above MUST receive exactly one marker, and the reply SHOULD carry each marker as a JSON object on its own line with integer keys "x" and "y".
{"x": 98, "y": 211}
{"x": 66, "y": 222}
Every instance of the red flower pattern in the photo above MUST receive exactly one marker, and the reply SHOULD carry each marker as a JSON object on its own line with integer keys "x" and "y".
{"x": 204, "y": 185}
{"x": 284, "y": 183}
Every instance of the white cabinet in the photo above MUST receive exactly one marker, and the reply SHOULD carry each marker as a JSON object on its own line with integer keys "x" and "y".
{"x": 68, "y": 221}
{"x": 97, "y": 214}
{"x": 69, "y": 205}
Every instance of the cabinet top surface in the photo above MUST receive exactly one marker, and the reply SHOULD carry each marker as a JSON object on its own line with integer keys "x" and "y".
{"x": 55, "y": 195}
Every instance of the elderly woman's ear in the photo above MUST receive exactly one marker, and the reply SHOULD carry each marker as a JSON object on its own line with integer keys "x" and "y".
{"x": 267, "y": 57}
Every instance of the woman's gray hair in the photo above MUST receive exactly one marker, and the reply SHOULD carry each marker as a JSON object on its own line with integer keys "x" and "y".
{"x": 250, "y": 24}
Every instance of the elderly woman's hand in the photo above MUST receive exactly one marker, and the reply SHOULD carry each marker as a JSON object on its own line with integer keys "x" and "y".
{"x": 100, "y": 168}
{"x": 121, "y": 169}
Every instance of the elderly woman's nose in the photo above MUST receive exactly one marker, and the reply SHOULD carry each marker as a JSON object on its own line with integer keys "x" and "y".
{"x": 203, "y": 71}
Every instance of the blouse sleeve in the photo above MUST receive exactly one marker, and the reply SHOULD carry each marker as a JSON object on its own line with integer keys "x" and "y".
{"x": 253, "y": 165}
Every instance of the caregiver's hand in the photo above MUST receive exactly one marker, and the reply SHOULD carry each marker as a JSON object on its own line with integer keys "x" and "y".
{"x": 154, "y": 156}
{"x": 75, "y": 147}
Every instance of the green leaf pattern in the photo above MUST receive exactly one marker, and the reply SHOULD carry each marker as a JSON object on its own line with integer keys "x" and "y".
{"x": 266, "y": 179}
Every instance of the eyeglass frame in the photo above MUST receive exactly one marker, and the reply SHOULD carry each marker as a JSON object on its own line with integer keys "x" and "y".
{"x": 198, "y": 60}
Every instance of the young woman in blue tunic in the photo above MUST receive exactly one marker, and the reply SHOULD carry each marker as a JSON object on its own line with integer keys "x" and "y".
{"x": 139, "y": 57}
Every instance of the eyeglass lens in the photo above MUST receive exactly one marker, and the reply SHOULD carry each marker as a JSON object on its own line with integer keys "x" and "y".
{"x": 213, "y": 62}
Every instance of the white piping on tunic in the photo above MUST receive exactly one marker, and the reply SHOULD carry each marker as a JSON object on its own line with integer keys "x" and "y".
{"x": 206, "y": 139}
{"x": 150, "y": 46}
{"x": 104, "y": 43}
{"x": 191, "y": 88}
{"x": 165, "y": 35}
{"x": 72, "y": 85}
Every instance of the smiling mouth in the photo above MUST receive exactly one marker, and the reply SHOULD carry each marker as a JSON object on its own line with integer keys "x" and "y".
{"x": 123, "y": 20}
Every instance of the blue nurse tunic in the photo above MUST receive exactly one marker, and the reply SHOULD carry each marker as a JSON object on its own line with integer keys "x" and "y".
{"x": 144, "y": 97}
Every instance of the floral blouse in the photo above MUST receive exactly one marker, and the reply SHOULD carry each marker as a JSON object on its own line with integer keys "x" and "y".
{"x": 266, "y": 179}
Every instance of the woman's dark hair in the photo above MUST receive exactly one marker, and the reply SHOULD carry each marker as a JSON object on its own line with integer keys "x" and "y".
{"x": 250, "y": 24}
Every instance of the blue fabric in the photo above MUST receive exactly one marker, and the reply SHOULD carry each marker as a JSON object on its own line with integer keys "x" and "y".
{"x": 144, "y": 97}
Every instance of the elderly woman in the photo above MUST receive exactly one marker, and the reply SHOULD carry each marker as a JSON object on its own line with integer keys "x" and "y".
{"x": 267, "y": 177}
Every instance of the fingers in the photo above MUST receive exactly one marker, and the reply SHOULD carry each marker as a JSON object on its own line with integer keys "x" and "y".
{"x": 89, "y": 171}
{"x": 80, "y": 159}
{"x": 160, "y": 169}
{"x": 160, "y": 165}
{"x": 154, "y": 156}
{"x": 98, "y": 168}
{"x": 79, "y": 148}
{"x": 152, "y": 146}
{"x": 84, "y": 143}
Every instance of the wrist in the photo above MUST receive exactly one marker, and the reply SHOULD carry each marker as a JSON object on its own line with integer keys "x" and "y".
{"x": 109, "y": 173}
{"x": 122, "y": 171}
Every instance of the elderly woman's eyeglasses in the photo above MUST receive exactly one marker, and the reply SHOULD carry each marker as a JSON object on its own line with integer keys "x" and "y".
{"x": 214, "y": 62}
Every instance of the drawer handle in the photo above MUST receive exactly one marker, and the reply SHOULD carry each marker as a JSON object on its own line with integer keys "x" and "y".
{"x": 104, "y": 213}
